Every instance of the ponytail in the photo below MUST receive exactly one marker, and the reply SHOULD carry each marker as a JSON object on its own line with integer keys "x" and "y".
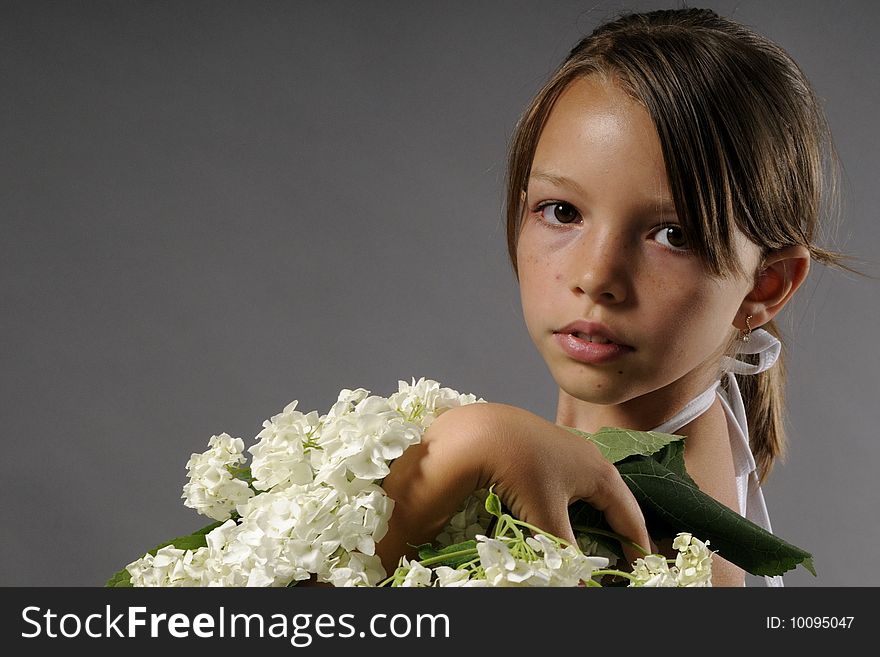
{"x": 764, "y": 400}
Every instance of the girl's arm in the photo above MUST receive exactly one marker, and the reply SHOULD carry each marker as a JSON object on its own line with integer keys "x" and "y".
{"x": 538, "y": 469}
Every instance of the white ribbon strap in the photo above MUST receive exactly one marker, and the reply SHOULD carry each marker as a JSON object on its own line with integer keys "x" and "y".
{"x": 761, "y": 343}
{"x": 767, "y": 347}
{"x": 694, "y": 408}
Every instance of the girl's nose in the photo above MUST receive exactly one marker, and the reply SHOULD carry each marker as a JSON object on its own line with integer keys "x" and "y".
{"x": 599, "y": 268}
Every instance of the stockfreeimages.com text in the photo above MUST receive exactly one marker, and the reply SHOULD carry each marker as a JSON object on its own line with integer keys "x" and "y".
{"x": 300, "y": 629}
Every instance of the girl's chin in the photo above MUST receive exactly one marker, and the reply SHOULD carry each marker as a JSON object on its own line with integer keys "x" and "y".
{"x": 602, "y": 392}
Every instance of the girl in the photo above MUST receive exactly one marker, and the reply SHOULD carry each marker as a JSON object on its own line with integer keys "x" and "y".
{"x": 664, "y": 191}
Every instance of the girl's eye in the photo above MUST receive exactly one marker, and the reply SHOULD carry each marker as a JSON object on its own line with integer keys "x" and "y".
{"x": 556, "y": 212}
{"x": 672, "y": 237}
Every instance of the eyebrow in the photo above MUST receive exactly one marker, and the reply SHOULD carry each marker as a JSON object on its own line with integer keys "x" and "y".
{"x": 553, "y": 179}
{"x": 663, "y": 205}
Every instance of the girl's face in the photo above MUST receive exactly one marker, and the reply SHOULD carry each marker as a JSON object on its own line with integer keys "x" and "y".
{"x": 600, "y": 245}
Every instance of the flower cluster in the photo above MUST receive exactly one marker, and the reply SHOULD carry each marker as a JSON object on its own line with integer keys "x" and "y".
{"x": 471, "y": 520}
{"x": 521, "y": 555}
{"x": 691, "y": 568}
{"x": 212, "y": 489}
{"x": 310, "y": 505}
{"x": 538, "y": 560}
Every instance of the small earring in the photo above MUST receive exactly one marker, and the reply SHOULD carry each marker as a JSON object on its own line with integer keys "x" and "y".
{"x": 744, "y": 335}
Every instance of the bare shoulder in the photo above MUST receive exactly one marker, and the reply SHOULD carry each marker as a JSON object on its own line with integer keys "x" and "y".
{"x": 482, "y": 419}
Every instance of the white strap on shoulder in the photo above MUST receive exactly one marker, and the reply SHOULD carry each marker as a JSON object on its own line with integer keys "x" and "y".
{"x": 748, "y": 487}
{"x": 693, "y": 409}
{"x": 752, "y": 505}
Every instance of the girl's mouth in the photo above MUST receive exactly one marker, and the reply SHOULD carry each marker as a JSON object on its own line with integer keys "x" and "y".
{"x": 595, "y": 339}
{"x": 593, "y": 350}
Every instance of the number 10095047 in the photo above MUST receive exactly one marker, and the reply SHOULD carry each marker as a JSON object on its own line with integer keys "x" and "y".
{"x": 810, "y": 622}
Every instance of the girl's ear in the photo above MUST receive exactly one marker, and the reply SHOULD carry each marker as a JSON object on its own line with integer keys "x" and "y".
{"x": 780, "y": 276}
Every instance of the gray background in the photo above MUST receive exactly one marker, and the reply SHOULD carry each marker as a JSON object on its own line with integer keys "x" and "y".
{"x": 210, "y": 209}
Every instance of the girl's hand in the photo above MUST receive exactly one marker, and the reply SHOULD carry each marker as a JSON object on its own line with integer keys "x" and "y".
{"x": 538, "y": 469}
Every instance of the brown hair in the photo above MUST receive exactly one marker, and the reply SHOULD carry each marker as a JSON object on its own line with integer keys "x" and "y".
{"x": 744, "y": 141}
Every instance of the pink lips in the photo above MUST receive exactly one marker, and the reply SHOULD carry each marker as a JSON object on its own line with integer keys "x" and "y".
{"x": 585, "y": 351}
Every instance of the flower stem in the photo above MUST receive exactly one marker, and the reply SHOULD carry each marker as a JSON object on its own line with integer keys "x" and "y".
{"x": 440, "y": 558}
{"x": 538, "y": 530}
{"x": 604, "y": 532}
{"x": 612, "y": 571}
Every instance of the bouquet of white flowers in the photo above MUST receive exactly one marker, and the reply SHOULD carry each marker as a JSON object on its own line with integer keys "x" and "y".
{"x": 310, "y": 506}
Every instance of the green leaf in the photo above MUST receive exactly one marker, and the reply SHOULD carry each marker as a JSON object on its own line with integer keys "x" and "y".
{"x": 194, "y": 541}
{"x": 670, "y": 457}
{"x": 673, "y": 503}
{"x": 493, "y": 504}
{"x": 241, "y": 473}
{"x": 618, "y": 444}
{"x": 120, "y": 579}
{"x": 452, "y": 555}
{"x": 581, "y": 513}
{"x": 605, "y": 542}
{"x": 678, "y": 505}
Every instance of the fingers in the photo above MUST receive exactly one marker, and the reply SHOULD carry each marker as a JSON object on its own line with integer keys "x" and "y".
{"x": 622, "y": 512}
{"x": 554, "y": 520}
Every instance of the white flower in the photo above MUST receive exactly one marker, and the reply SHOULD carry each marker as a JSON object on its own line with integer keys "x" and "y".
{"x": 501, "y": 568}
{"x": 291, "y": 534}
{"x": 653, "y": 571}
{"x": 346, "y": 401}
{"x": 354, "y": 569}
{"x": 472, "y": 519}
{"x": 452, "y": 577}
{"x": 222, "y": 565}
{"x": 566, "y": 566}
{"x": 692, "y": 567}
{"x": 494, "y": 553}
{"x": 362, "y": 441}
{"x": 694, "y": 561}
{"x": 416, "y": 575}
{"x": 424, "y": 400}
{"x": 534, "y": 561}
{"x": 212, "y": 490}
{"x": 281, "y": 535}
{"x": 169, "y": 567}
{"x": 279, "y": 458}
{"x": 359, "y": 521}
